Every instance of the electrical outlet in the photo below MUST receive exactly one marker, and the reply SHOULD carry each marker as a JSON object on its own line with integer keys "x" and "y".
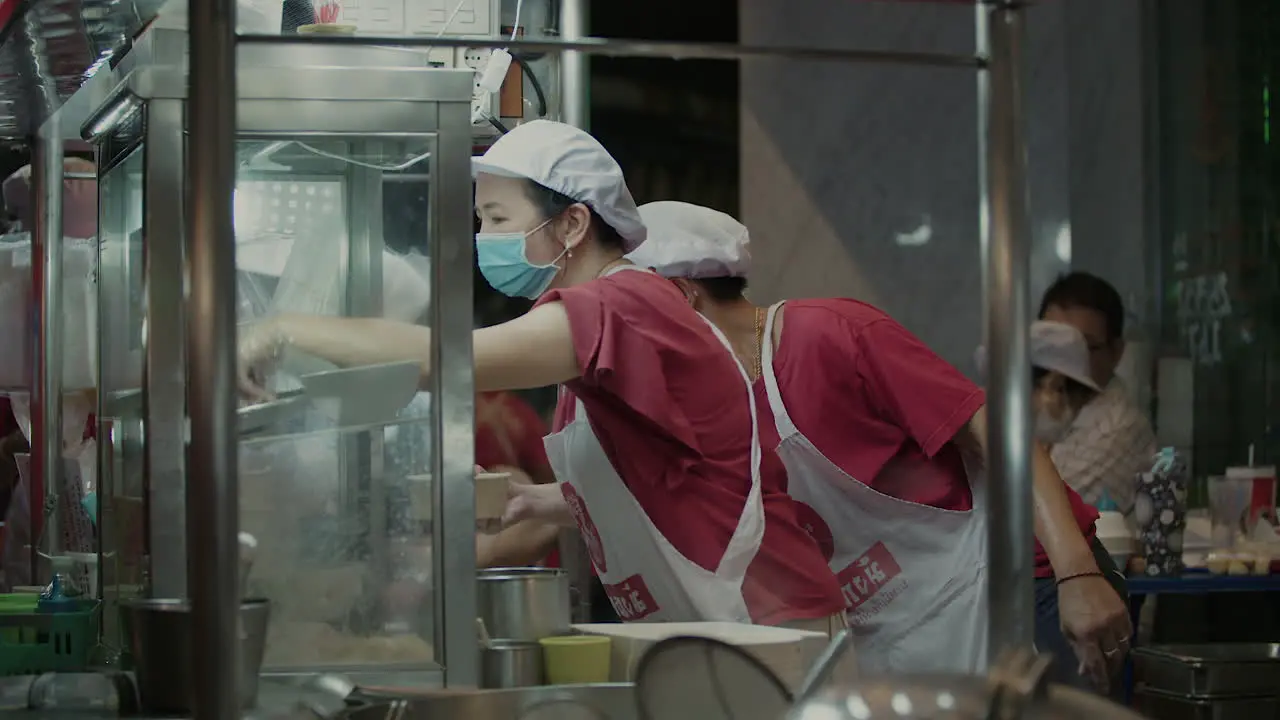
{"x": 475, "y": 58}
{"x": 481, "y": 101}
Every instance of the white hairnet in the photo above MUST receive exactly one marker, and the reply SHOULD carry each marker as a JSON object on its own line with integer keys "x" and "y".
{"x": 1054, "y": 346}
{"x": 568, "y": 160}
{"x": 1060, "y": 347}
{"x": 691, "y": 241}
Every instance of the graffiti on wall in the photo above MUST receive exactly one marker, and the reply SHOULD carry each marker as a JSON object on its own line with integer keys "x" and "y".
{"x": 1204, "y": 306}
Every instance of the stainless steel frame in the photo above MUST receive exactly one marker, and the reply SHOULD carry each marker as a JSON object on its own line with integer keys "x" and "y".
{"x": 575, "y": 106}
{"x": 325, "y": 97}
{"x": 212, "y": 499}
{"x": 365, "y": 96}
{"x": 46, "y": 406}
{"x": 1007, "y": 251}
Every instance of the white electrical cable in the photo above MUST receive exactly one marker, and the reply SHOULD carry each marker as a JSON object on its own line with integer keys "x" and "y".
{"x": 351, "y": 161}
{"x": 452, "y": 16}
{"x": 277, "y": 147}
{"x": 515, "y": 26}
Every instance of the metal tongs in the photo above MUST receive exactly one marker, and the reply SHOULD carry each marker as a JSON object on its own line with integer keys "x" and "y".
{"x": 331, "y": 695}
{"x": 820, "y": 674}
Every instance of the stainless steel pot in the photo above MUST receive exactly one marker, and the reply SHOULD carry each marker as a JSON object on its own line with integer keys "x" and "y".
{"x": 505, "y": 664}
{"x": 158, "y": 633}
{"x": 523, "y": 604}
{"x": 1016, "y": 689}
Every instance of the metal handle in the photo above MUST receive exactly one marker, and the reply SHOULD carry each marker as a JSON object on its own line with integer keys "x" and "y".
{"x": 825, "y": 665}
{"x": 1018, "y": 678}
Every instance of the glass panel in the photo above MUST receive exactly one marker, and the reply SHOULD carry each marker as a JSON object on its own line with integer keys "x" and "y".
{"x": 120, "y": 323}
{"x": 1219, "y": 276}
{"x": 335, "y": 490}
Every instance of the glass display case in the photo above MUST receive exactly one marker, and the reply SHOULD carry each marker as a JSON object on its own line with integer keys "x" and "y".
{"x": 353, "y": 198}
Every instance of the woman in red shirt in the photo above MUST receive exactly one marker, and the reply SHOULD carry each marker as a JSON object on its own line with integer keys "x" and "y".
{"x": 878, "y": 437}
{"x": 509, "y": 439}
{"x": 655, "y": 444}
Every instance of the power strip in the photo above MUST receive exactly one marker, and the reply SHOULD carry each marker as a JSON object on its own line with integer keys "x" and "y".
{"x": 490, "y": 68}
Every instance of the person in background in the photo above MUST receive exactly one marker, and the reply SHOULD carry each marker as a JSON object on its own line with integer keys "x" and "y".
{"x": 1109, "y": 441}
{"x": 880, "y": 442}
{"x": 1062, "y": 385}
{"x": 509, "y": 436}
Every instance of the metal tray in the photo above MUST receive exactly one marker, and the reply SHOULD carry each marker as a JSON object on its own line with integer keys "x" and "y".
{"x": 260, "y": 417}
{"x": 1168, "y": 706}
{"x": 368, "y": 394}
{"x": 1210, "y": 670}
{"x": 609, "y": 701}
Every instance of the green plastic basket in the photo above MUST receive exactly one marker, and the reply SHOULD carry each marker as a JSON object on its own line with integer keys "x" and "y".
{"x": 32, "y": 642}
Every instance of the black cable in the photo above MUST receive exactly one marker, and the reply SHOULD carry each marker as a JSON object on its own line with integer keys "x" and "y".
{"x": 533, "y": 80}
{"x": 496, "y": 123}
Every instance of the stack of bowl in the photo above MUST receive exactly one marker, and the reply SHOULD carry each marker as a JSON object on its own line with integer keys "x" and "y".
{"x": 518, "y": 607}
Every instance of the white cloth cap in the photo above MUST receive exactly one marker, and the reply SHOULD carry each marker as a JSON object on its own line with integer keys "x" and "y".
{"x": 1061, "y": 348}
{"x": 691, "y": 241}
{"x": 568, "y": 160}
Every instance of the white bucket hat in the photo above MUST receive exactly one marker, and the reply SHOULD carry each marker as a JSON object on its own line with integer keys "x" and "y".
{"x": 566, "y": 159}
{"x": 1061, "y": 348}
{"x": 692, "y": 242}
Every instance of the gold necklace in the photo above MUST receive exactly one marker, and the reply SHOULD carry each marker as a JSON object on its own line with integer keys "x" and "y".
{"x": 611, "y": 265}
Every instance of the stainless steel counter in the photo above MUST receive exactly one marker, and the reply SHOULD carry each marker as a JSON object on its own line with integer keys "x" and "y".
{"x": 83, "y": 697}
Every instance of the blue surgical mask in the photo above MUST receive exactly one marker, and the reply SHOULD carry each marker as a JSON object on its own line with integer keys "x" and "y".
{"x": 506, "y": 267}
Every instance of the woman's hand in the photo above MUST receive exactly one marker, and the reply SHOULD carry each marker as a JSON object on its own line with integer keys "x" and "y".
{"x": 261, "y": 345}
{"x": 544, "y": 503}
{"x": 1096, "y": 623}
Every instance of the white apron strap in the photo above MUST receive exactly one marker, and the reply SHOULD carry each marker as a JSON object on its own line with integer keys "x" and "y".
{"x": 738, "y": 554}
{"x": 781, "y": 420}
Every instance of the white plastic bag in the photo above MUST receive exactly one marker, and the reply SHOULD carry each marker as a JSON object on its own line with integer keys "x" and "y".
{"x": 15, "y": 310}
{"x": 79, "y": 312}
{"x": 406, "y": 286}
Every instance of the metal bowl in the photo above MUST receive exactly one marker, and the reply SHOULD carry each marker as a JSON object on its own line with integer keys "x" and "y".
{"x": 158, "y": 635}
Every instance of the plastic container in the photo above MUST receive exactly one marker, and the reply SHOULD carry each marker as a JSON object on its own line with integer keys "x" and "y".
{"x": 573, "y": 659}
{"x": 33, "y": 642}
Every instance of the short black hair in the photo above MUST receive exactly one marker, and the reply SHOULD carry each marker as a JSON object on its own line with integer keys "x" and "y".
{"x": 724, "y": 289}
{"x": 1083, "y": 290}
{"x": 1078, "y": 394}
{"x": 551, "y": 203}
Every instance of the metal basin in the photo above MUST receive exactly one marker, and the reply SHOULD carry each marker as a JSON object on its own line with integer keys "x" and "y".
{"x": 610, "y": 701}
{"x": 158, "y": 632}
{"x": 523, "y": 604}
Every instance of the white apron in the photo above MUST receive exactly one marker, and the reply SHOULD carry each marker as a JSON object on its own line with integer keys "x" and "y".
{"x": 645, "y": 577}
{"x": 913, "y": 576}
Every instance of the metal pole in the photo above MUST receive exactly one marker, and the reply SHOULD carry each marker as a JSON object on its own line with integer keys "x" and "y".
{"x": 665, "y": 49}
{"x": 575, "y": 106}
{"x": 575, "y": 66}
{"x": 1011, "y": 529}
{"x": 46, "y": 186}
{"x": 212, "y": 484}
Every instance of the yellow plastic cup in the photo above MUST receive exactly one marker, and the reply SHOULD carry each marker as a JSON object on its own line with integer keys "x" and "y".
{"x": 574, "y": 659}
